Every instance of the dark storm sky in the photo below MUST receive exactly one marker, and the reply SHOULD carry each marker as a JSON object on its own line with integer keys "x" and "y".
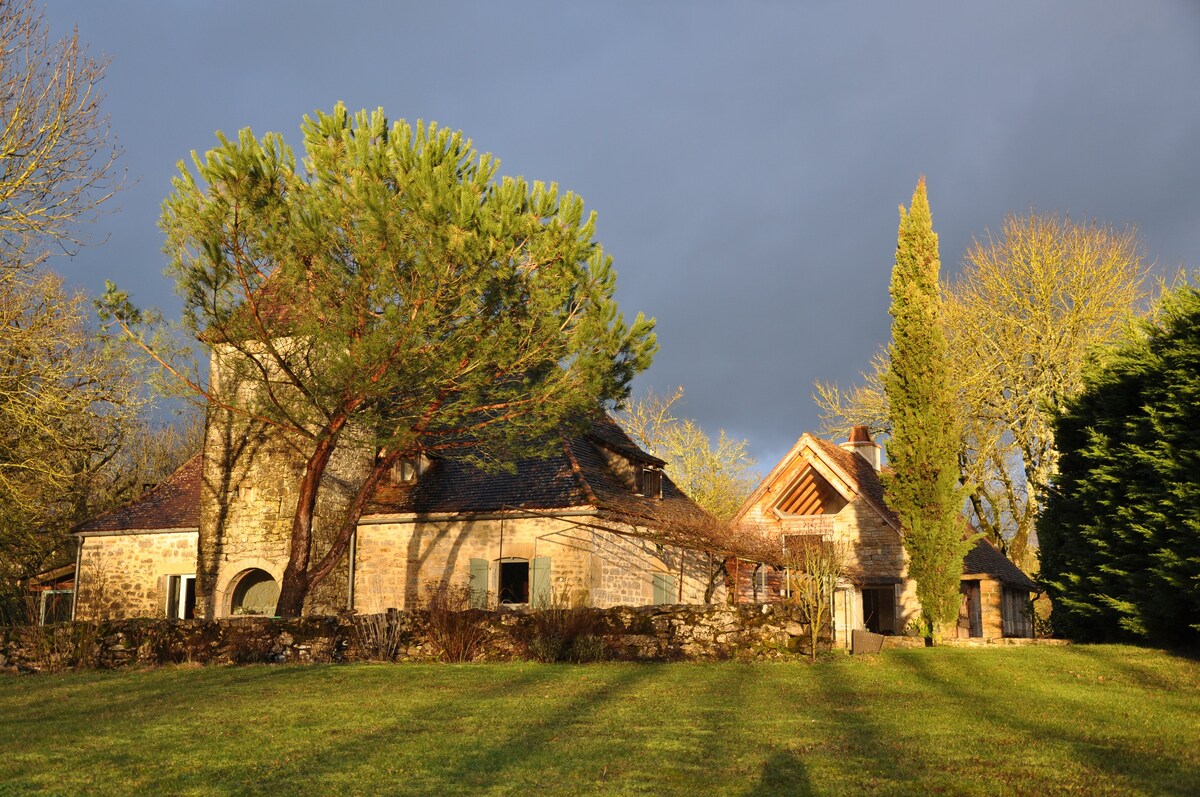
{"x": 746, "y": 160}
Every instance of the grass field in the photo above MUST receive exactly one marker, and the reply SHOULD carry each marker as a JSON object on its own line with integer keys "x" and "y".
{"x": 1077, "y": 720}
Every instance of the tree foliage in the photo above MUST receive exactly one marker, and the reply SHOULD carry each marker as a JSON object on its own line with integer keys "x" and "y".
{"x": 1120, "y": 534}
{"x": 716, "y": 476}
{"x": 65, "y": 395}
{"x": 68, "y": 399}
{"x": 1019, "y": 320}
{"x": 923, "y": 489}
{"x": 57, "y": 164}
{"x": 76, "y": 434}
{"x": 391, "y": 293}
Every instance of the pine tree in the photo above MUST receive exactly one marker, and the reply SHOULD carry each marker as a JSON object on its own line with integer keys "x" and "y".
{"x": 387, "y": 294}
{"x": 1120, "y": 536}
{"x": 923, "y": 447}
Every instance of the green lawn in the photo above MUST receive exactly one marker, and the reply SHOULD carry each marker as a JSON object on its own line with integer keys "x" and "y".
{"x": 1078, "y": 720}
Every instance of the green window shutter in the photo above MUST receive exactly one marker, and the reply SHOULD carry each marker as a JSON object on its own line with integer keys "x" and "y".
{"x": 539, "y": 582}
{"x": 479, "y": 583}
{"x": 664, "y": 589}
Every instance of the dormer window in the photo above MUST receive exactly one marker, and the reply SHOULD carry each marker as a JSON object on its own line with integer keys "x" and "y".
{"x": 649, "y": 482}
{"x": 403, "y": 471}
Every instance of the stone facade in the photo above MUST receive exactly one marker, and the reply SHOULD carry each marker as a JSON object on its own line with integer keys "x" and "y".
{"x": 397, "y": 561}
{"x": 874, "y": 559}
{"x": 569, "y": 526}
{"x": 251, "y": 478}
{"x": 125, "y": 575}
{"x": 834, "y": 493}
{"x": 873, "y": 552}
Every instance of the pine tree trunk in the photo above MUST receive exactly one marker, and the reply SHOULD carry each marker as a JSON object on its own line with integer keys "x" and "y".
{"x": 294, "y": 588}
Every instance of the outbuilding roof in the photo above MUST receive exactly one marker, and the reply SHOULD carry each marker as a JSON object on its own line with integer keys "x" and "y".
{"x": 174, "y": 503}
{"x": 986, "y": 559}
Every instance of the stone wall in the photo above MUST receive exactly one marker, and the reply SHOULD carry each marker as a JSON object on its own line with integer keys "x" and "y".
{"x": 396, "y": 563}
{"x": 125, "y": 575}
{"x": 647, "y": 633}
{"x": 875, "y": 557}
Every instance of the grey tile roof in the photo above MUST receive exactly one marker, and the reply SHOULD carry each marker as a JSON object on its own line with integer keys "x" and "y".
{"x": 575, "y": 473}
{"x": 986, "y": 559}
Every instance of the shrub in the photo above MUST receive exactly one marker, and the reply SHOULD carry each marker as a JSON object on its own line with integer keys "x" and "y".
{"x": 378, "y": 637}
{"x": 455, "y": 630}
{"x": 559, "y": 633}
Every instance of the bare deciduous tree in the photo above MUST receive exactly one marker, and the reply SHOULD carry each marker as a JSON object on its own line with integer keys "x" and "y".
{"x": 1021, "y": 318}
{"x": 57, "y": 159}
{"x": 717, "y": 477}
{"x": 814, "y": 567}
{"x": 69, "y": 402}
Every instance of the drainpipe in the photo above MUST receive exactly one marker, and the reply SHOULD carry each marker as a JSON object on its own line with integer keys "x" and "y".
{"x": 352, "y": 563}
{"x": 78, "y": 566}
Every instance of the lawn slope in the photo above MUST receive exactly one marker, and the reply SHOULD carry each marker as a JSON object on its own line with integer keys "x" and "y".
{"x": 1078, "y": 720}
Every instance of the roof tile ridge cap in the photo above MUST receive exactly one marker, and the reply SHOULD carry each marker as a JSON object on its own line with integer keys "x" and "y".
{"x": 578, "y": 471}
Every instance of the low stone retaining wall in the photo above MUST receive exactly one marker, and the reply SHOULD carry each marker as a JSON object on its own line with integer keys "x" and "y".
{"x": 893, "y": 642}
{"x": 645, "y": 633}
{"x": 1015, "y": 641}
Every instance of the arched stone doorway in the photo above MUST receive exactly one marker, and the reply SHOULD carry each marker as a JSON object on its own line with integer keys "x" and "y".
{"x": 254, "y": 592}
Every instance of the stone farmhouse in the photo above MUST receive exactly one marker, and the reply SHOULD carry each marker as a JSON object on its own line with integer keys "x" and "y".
{"x": 820, "y": 489}
{"x": 596, "y": 522}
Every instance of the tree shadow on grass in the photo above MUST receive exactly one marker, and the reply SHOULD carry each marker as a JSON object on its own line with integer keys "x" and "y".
{"x": 493, "y": 756}
{"x": 111, "y": 695}
{"x": 1138, "y": 673}
{"x": 715, "y": 726}
{"x": 866, "y": 749}
{"x": 1110, "y": 757}
{"x": 348, "y": 759}
{"x": 254, "y": 730}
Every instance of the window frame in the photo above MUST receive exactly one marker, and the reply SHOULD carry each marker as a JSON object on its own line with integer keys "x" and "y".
{"x": 177, "y": 593}
{"x": 500, "y": 585}
{"x": 43, "y": 602}
{"x": 649, "y": 487}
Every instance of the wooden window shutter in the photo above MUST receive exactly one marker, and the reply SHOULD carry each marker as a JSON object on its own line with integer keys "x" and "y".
{"x": 540, "y": 593}
{"x": 479, "y": 583}
{"x": 649, "y": 482}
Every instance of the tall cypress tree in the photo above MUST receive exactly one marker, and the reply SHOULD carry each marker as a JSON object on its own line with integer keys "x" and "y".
{"x": 923, "y": 448}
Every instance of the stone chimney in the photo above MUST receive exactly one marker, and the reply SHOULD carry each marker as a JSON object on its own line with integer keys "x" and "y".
{"x": 860, "y": 443}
